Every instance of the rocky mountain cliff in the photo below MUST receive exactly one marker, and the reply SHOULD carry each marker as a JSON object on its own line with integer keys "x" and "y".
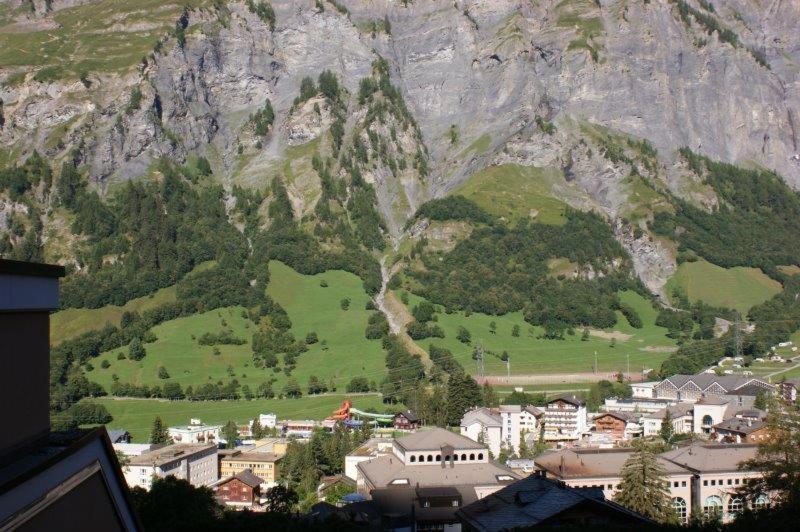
{"x": 602, "y": 93}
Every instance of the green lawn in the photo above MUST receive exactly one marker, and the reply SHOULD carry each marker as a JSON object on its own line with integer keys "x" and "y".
{"x": 530, "y": 355}
{"x": 738, "y": 288}
{"x": 136, "y": 415}
{"x": 516, "y": 192}
{"x": 72, "y": 322}
{"x": 107, "y": 36}
{"x": 310, "y": 307}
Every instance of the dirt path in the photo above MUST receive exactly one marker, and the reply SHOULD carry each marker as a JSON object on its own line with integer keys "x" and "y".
{"x": 396, "y": 313}
{"x": 556, "y": 378}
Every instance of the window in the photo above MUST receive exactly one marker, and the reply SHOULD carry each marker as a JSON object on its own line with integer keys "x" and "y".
{"x": 464, "y": 456}
{"x": 609, "y": 486}
{"x": 708, "y": 420}
{"x": 705, "y": 483}
{"x": 712, "y": 508}
{"x": 675, "y": 484}
{"x": 480, "y": 456}
{"x": 430, "y": 458}
{"x": 438, "y": 457}
{"x": 679, "y": 504}
{"x": 455, "y": 502}
{"x": 472, "y": 456}
{"x": 447, "y": 458}
{"x": 683, "y": 484}
{"x": 736, "y": 482}
{"x": 455, "y": 457}
{"x": 413, "y": 458}
{"x": 735, "y": 505}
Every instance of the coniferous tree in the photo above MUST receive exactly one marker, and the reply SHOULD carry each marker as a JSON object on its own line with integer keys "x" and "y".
{"x": 463, "y": 393}
{"x": 667, "y": 431}
{"x": 489, "y": 395}
{"x": 159, "y": 434}
{"x": 643, "y": 487}
{"x": 256, "y": 429}
{"x": 777, "y": 459}
{"x": 136, "y": 350}
{"x": 230, "y": 432}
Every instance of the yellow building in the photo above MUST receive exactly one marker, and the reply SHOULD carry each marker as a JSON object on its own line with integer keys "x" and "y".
{"x": 263, "y": 465}
{"x": 271, "y": 445}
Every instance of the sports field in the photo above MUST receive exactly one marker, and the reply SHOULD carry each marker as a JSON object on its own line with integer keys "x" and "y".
{"x": 645, "y": 347}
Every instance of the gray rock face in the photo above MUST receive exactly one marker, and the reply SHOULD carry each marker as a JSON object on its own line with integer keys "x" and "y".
{"x": 487, "y": 67}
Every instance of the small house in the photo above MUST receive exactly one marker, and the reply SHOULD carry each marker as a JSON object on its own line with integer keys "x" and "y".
{"x": 406, "y": 420}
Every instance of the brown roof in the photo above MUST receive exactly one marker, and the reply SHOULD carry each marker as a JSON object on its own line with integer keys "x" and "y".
{"x": 383, "y": 470}
{"x": 433, "y": 440}
{"x": 711, "y": 458}
{"x": 171, "y": 453}
{"x": 592, "y": 463}
{"x": 248, "y": 478}
{"x": 741, "y": 426}
{"x": 251, "y": 457}
{"x": 622, "y": 416}
{"x": 570, "y": 398}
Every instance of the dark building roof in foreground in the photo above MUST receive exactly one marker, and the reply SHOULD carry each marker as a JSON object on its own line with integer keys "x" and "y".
{"x": 540, "y": 501}
{"x": 248, "y": 478}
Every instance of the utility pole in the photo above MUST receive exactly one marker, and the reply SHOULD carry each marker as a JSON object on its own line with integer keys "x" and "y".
{"x": 737, "y": 338}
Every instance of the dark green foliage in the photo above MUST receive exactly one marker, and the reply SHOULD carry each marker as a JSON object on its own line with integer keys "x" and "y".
{"x": 358, "y": 385}
{"x": 203, "y": 166}
{"x": 159, "y": 432}
{"x": 316, "y": 386}
{"x": 264, "y": 11}
{"x": 404, "y": 370}
{"x": 453, "y": 208}
{"x": 499, "y": 269}
{"x": 600, "y": 391}
{"x": 631, "y": 315}
{"x": 69, "y": 184}
{"x": 292, "y": 388}
{"x": 17, "y": 180}
{"x": 345, "y": 303}
{"x": 525, "y": 399}
{"x": 87, "y": 413}
{"x": 136, "y": 350}
{"x": 220, "y": 338}
{"x": 307, "y": 91}
{"x": 756, "y": 225}
{"x": 161, "y": 230}
{"x": 180, "y": 28}
{"x": 463, "y": 393}
{"x": 424, "y": 312}
{"x": 231, "y": 433}
{"x": 312, "y": 338}
{"x": 377, "y": 326}
{"x": 443, "y": 359}
{"x": 420, "y": 331}
{"x": 162, "y": 373}
{"x": 463, "y": 335}
{"x": 545, "y": 126}
{"x": 263, "y": 118}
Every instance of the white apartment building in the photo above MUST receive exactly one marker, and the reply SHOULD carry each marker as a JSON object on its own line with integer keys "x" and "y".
{"x": 501, "y": 427}
{"x": 701, "y": 477}
{"x": 268, "y": 421}
{"x": 565, "y": 418}
{"x": 644, "y": 390}
{"x": 193, "y": 462}
{"x": 195, "y": 432}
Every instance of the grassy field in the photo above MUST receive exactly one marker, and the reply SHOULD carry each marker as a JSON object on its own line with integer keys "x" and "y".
{"x": 516, "y": 192}
{"x": 738, "y": 288}
{"x": 528, "y": 354}
{"x": 72, "y": 322}
{"x": 106, "y": 36}
{"x": 137, "y": 415}
{"x": 341, "y": 353}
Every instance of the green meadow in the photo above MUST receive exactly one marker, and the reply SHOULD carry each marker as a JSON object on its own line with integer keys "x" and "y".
{"x": 529, "y": 354}
{"x": 341, "y": 353}
{"x": 738, "y": 288}
{"x": 137, "y": 415}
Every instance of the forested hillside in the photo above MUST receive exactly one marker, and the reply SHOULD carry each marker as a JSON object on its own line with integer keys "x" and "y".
{"x": 436, "y": 179}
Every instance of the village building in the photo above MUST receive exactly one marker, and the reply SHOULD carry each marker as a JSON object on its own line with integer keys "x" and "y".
{"x": 263, "y": 465}
{"x": 196, "y": 463}
{"x": 334, "y": 482}
{"x": 643, "y": 390}
{"x": 742, "y": 391}
{"x": 501, "y": 427}
{"x": 370, "y": 449}
{"x": 618, "y": 425}
{"x": 565, "y": 418}
{"x": 428, "y": 476}
{"x": 682, "y": 415}
{"x": 700, "y": 476}
{"x": 789, "y": 388}
{"x": 240, "y": 490}
{"x": 538, "y": 501}
{"x": 195, "y": 432}
{"x": 406, "y": 420}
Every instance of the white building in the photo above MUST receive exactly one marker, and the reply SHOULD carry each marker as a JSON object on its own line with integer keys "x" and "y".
{"x": 195, "y": 432}
{"x": 565, "y": 418}
{"x": 268, "y": 421}
{"x": 372, "y": 448}
{"x": 501, "y": 427}
{"x": 644, "y": 390}
{"x": 133, "y": 449}
{"x": 193, "y": 462}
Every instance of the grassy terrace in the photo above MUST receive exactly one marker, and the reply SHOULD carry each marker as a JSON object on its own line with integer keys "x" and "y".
{"x": 136, "y": 415}
{"x": 528, "y": 354}
{"x": 738, "y": 288}
{"x": 104, "y": 36}
{"x": 310, "y": 307}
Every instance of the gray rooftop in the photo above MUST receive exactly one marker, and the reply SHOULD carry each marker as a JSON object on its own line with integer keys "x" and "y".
{"x": 383, "y": 470}
{"x": 741, "y": 426}
{"x": 711, "y": 458}
{"x": 533, "y": 500}
{"x": 592, "y": 463}
{"x": 170, "y": 453}
{"x": 484, "y": 416}
{"x": 704, "y": 380}
{"x": 433, "y": 440}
